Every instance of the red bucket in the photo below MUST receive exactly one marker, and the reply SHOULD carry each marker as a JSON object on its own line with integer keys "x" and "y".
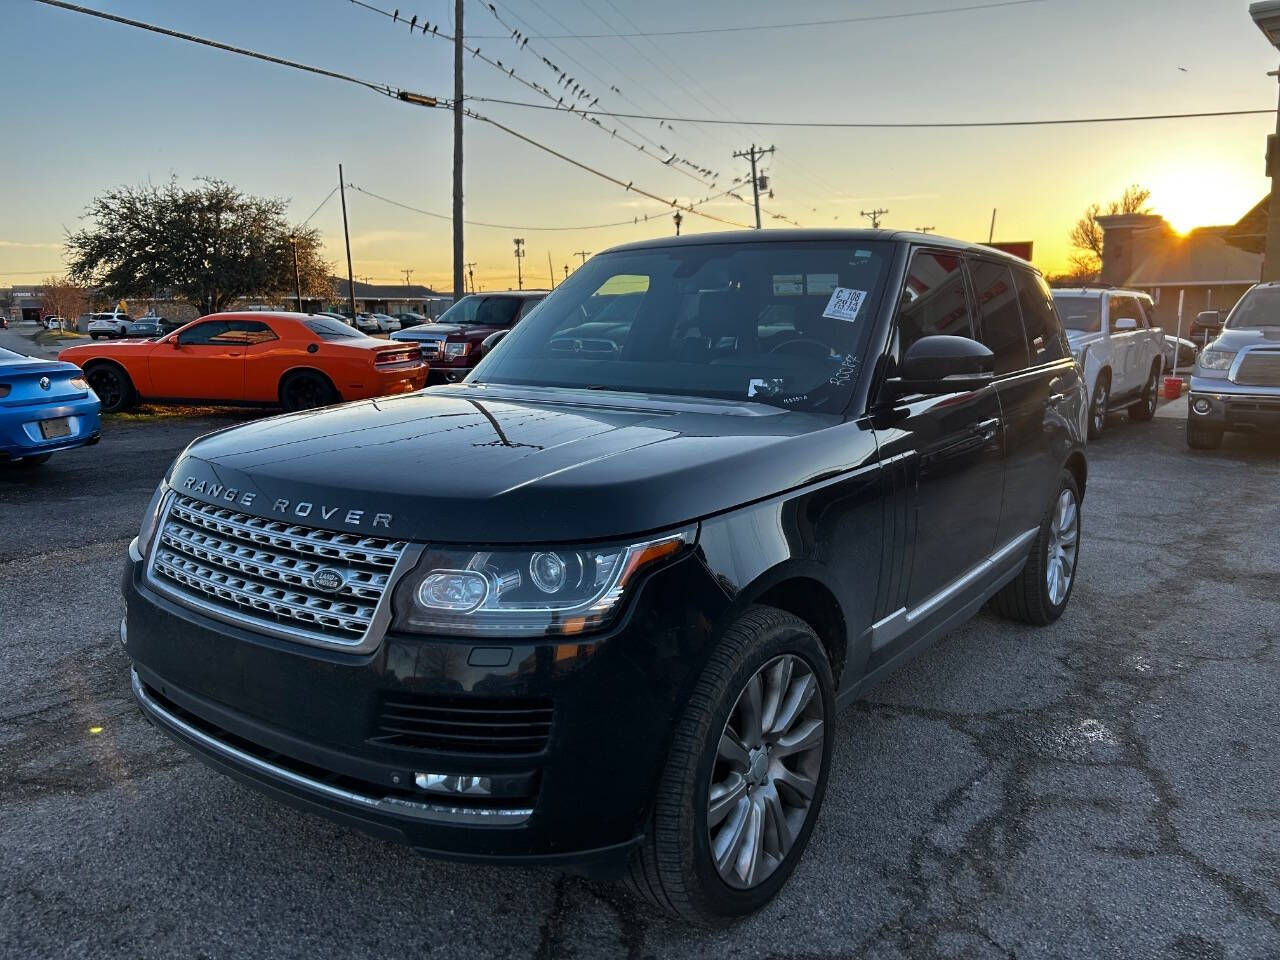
{"x": 1173, "y": 388}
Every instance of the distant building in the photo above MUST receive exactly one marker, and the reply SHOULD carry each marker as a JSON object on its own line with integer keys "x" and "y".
{"x": 1209, "y": 268}
{"x": 387, "y": 298}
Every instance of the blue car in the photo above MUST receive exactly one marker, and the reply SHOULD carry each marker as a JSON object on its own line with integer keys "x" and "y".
{"x": 45, "y": 406}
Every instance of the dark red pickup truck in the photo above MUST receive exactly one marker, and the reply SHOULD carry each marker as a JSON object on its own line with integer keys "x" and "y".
{"x": 455, "y": 342}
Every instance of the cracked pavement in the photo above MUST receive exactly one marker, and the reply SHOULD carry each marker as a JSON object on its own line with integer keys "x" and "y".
{"x": 1108, "y": 787}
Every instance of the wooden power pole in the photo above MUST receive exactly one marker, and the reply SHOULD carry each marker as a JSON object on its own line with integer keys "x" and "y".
{"x": 458, "y": 258}
{"x": 755, "y": 155}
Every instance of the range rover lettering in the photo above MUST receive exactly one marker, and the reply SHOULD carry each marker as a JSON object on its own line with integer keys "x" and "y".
{"x": 606, "y": 596}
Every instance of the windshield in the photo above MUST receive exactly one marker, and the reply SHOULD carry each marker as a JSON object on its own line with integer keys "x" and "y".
{"x": 326, "y": 328}
{"x": 482, "y": 311}
{"x": 784, "y": 323}
{"x": 1260, "y": 307}
{"x": 1080, "y": 313}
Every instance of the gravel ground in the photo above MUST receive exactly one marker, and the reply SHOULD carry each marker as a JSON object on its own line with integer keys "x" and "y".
{"x": 1106, "y": 787}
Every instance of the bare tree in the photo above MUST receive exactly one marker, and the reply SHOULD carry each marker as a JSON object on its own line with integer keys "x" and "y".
{"x": 62, "y": 298}
{"x": 1087, "y": 234}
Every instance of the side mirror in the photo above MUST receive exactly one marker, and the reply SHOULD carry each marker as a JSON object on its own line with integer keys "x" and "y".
{"x": 1121, "y": 324}
{"x": 943, "y": 364}
{"x": 492, "y": 340}
{"x": 1207, "y": 320}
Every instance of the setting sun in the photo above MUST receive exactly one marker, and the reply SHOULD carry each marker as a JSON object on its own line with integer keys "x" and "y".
{"x": 1203, "y": 191}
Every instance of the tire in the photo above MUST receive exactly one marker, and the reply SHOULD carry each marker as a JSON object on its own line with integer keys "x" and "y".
{"x": 1144, "y": 409}
{"x": 306, "y": 390}
{"x": 113, "y": 387}
{"x": 675, "y": 869}
{"x": 1098, "y": 405}
{"x": 93, "y": 336}
{"x": 1028, "y": 598}
{"x": 1203, "y": 438}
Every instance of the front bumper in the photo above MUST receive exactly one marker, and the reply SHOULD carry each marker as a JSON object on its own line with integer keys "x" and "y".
{"x": 20, "y": 434}
{"x": 1220, "y": 403}
{"x": 299, "y": 722}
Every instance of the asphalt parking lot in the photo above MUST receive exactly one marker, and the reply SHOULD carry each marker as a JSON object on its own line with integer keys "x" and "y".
{"x": 1106, "y": 787}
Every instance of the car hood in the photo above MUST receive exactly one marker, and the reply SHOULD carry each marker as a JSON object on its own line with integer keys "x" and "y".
{"x": 1237, "y": 339}
{"x": 1075, "y": 337}
{"x": 471, "y": 464}
{"x": 433, "y": 331}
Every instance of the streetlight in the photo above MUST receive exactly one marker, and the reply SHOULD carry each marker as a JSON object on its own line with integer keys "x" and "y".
{"x": 519, "y": 257}
{"x": 678, "y": 220}
{"x": 1266, "y": 14}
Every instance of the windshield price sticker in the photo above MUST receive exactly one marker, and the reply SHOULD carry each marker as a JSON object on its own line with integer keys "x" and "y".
{"x": 788, "y": 284}
{"x": 845, "y": 304}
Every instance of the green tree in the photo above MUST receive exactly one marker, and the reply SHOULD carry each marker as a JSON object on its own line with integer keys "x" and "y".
{"x": 1087, "y": 234}
{"x": 207, "y": 245}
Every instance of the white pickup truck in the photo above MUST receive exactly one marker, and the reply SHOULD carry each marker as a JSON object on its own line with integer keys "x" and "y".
{"x": 1118, "y": 349}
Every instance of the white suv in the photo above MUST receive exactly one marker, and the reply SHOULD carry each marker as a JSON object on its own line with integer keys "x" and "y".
{"x": 1120, "y": 352}
{"x": 113, "y": 324}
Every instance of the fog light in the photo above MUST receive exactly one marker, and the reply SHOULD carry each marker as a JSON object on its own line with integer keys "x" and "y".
{"x": 1201, "y": 406}
{"x": 454, "y": 784}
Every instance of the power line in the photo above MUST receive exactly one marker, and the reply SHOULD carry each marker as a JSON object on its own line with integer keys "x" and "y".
{"x": 772, "y": 26}
{"x": 319, "y": 208}
{"x": 382, "y": 88}
{"x": 903, "y": 125}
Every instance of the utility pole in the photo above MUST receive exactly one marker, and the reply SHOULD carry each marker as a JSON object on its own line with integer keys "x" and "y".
{"x": 471, "y": 271}
{"x": 519, "y": 257}
{"x": 346, "y": 235}
{"x": 992, "y": 234}
{"x": 583, "y": 254}
{"x": 407, "y": 274}
{"x": 458, "y": 51}
{"x": 551, "y": 270}
{"x": 297, "y": 274}
{"x": 874, "y": 216}
{"x": 755, "y": 155}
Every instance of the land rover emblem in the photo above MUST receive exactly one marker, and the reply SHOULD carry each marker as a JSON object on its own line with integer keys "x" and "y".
{"x": 44, "y": 383}
{"x": 328, "y": 579}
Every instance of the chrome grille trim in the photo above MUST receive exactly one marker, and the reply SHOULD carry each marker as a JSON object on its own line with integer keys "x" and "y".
{"x": 1256, "y": 367}
{"x": 255, "y": 573}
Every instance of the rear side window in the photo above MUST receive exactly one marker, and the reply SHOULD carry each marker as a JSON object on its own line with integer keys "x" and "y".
{"x": 933, "y": 300}
{"x": 246, "y": 332}
{"x": 1001, "y": 323}
{"x": 326, "y": 328}
{"x": 1044, "y": 329}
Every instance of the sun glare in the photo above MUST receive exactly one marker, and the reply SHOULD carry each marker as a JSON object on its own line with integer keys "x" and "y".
{"x": 1202, "y": 195}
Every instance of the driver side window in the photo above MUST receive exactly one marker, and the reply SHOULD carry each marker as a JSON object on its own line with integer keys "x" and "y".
{"x": 203, "y": 333}
{"x": 933, "y": 300}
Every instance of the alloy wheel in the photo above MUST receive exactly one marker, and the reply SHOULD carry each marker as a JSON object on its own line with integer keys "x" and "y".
{"x": 766, "y": 771}
{"x": 106, "y": 384}
{"x": 1100, "y": 408}
{"x": 1153, "y": 394}
{"x": 1064, "y": 540}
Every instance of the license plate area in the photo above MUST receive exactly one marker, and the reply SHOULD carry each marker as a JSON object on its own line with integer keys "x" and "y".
{"x": 58, "y": 427}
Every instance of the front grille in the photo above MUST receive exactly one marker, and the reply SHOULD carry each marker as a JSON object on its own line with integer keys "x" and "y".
{"x": 1259, "y": 369}
{"x": 430, "y": 349}
{"x": 249, "y": 568}
{"x": 489, "y": 725}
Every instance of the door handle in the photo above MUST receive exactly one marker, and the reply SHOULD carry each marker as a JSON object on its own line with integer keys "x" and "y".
{"x": 987, "y": 428}
{"x": 1054, "y": 399}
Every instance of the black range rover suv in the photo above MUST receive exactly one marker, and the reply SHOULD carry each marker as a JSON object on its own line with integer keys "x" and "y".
{"x": 598, "y": 605}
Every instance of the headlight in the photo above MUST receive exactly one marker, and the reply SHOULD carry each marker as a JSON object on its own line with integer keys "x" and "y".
{"x": 1216, "y": 359}
{"x": 151, "y": 518}
{"x": 549, "y": 590}
{"x": 456, "y": 349}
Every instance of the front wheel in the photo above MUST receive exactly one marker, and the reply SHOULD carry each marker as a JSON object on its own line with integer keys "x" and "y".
{"x": 1039, "y": 594}
{"x": 1145, "y": 408}
{"x": 113, "y": 387}
{"x": 746, "y": 775}
{"x": 1098, "y": 406}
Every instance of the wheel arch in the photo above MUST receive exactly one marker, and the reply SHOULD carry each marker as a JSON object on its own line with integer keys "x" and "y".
{"x": 804, "y": 594}
{"x": 292, "y": 372}
{"x": 1078, "y": 467}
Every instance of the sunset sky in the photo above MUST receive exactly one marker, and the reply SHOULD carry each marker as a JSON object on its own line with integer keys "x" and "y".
{"x": 87, "y": 105}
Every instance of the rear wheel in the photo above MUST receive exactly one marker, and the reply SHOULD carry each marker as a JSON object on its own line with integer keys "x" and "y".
{"x": 113, "y": 387}
{"x": 1098, "y": 405}
{"x": 1200, "y": 437}
{"x": 746, "y": 774}
{"x": 307, "y": 390}
{"x": 1145, "y": 408}
{"x": 1039, "y": 594}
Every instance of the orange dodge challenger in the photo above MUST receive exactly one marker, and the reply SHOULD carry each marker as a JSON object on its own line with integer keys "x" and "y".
{"x": 293, "y": 360}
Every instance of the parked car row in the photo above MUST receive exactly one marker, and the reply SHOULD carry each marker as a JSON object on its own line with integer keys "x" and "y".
{"x": 468, "y": 330}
